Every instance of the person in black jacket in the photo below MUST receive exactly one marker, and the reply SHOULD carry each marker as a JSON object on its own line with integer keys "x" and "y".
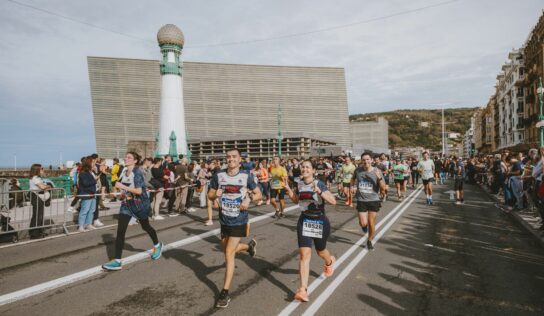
{"x": 87, "y": 190}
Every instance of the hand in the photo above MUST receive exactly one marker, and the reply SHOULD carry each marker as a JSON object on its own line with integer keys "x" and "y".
{"x": 316, "y": 189}
{"x": 245, "y": 204}
{"x": 119, "y": 185}
{"x": 219, "y": 193}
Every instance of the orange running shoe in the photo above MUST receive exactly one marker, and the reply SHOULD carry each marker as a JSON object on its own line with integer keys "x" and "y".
{"x": 328, "y": 269}
{"x": 302, "y": 295}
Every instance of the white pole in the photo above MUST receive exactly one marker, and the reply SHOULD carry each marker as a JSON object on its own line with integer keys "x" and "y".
{"x": 443, "y": 138}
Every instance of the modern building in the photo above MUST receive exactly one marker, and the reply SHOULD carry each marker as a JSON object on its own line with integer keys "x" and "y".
{"x": 371, "y": 134}
{"x": 259, "y": 146}
{"x": 221, "y": 101}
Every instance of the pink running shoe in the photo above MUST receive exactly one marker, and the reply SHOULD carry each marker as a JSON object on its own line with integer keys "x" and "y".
{"x": 328, "y": 269}
{"x": 302, "y": 295}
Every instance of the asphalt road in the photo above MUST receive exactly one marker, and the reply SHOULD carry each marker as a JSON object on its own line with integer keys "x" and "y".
{"x": 429, "y": 260}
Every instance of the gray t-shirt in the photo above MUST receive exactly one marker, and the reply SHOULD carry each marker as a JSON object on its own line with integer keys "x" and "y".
{"x": 367, "y": 184}
{"x": 427, "y": 169}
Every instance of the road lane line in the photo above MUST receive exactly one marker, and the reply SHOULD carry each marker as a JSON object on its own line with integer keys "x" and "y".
{"x": 294, "y": 304}
{"x": 322, "y": 298}
{"x": 85, "y": 274}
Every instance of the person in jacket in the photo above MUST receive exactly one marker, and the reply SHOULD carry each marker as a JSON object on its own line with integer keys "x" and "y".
{"x": 86, "y": 192}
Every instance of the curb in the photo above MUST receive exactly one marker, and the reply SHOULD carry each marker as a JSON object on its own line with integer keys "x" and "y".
{"x": 517, "y": 218}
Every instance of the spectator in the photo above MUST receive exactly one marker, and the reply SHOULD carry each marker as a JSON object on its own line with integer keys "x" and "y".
{"x": 181, "y": 185}
{"x": 86, "y": 188}
{"x": 38, "y": 197}
{"x": 157, "y": 181}
{"x": 116, "y": 170}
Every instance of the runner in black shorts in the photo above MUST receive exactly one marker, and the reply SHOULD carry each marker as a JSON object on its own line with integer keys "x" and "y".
{"x": 368, "y": 187}
{"x": 231, "y": 187}
{"x": 313, "y": 226}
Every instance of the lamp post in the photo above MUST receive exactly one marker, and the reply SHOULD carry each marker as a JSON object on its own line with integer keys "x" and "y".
{"x": 280, "y": 135}
{"x": 540, "y": 124}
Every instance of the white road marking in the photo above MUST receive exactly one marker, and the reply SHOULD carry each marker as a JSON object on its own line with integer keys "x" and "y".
{"x": 85, "y": 274}
{"x": 322, "y": 298}
{"x": 294, "y": 304}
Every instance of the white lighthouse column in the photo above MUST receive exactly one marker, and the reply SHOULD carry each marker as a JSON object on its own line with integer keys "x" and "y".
{"x": 172, "y": 112}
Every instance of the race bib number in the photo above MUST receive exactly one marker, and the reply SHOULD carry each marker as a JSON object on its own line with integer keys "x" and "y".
{"x": 365, "y": 187}
{"x": 230, "y": 207}
{"x": 312, "y": 228}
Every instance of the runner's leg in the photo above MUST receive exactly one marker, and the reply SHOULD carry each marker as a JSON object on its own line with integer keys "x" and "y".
{"x": 371, "y": 223}
{"x": 230, "y": 245}
{"x": 304, "y": 265}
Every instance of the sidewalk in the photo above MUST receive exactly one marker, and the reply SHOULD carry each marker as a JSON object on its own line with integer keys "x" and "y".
{"x": 527, "y": 218}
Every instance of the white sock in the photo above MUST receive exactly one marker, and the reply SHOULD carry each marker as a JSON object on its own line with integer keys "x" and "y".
{"x": 118, "y": 260}
{"x": 157, "y": 245}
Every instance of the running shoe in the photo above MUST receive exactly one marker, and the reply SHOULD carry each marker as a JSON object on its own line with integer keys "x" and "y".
{"x": 252, "y": 250}
{"x": 98, "y": 223}
{"x": 430, "y": 201}
{"x": 81, "y": 229}
{"x": 113, "y": 265}
{"x": 369, "y": 245}
{"x": 158, "y": 218}
{"x": 157, "y": 251}
{"x": 328, "y": 269}
{"x": 223, "y": 300}
{"x": 365, "y": 229}
{"x": 209, "y": 223}
{"x": 90, "y": 227}
{"x": 173, "y": 214}
{"x": 302, "y": 295}
{"x": 277, "y": 214}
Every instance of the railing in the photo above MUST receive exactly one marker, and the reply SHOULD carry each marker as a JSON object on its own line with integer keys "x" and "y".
{"x": 32, "y": 211}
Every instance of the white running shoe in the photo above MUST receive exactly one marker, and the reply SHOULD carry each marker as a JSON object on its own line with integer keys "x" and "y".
{"x": 191, "y": 210}
{"x": 98, "y": 223}
{"x": 209, "y": 223}
{"x": 133, "y": 221}
{"x": 71, "y": 209}
{"x": 158, "y": 218}
{"x": 90, "y": 227}
{"x": 81, "y": 229}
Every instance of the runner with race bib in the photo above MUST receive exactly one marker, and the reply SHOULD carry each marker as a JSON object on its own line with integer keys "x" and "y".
{"x": 313, "y": 226}
{"x": 231, "y": 187}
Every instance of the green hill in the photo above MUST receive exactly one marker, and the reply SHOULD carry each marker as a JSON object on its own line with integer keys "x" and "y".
{"x": 405, "y": 129}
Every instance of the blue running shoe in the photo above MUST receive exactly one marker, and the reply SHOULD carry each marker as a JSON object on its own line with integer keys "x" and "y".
{"x": 113, "y": 265}
{"x": 157, "y": 251}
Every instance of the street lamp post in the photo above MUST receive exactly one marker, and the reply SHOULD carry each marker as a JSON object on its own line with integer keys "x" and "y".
{"x": 280, "y": 135}
{"x": 540, "y": 124}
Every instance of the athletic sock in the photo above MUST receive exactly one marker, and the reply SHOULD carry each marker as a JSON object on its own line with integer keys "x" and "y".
{"x": 157, "y": 245}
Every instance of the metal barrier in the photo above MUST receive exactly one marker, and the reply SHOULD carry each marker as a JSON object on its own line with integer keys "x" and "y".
{"x": 32, "y": 211}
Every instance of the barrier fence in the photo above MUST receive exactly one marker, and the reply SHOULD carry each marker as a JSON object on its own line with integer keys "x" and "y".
{"x": 32, "y": 211}
{"x": 36, "y": 211}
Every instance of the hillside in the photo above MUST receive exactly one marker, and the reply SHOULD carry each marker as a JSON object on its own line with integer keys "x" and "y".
{"x": 405, "y": 128}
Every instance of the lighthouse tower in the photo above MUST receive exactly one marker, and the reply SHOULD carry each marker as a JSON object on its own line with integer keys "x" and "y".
{"x": 172, "y": 119}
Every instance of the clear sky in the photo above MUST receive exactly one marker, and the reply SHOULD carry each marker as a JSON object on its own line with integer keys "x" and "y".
{"x": 397, "y": 54}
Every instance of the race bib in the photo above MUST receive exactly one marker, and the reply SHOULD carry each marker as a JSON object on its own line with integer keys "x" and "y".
{"x": 312, "y": 228}
{"x": 365, "y": 187}
{"x": 230, "y": 207}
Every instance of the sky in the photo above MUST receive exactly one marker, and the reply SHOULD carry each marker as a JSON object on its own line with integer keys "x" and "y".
{"x": 397, "y": 54}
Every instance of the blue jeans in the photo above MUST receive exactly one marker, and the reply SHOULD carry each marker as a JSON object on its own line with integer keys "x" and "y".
{"x": 87, "y": 211}
{"x": 517, "y": 190}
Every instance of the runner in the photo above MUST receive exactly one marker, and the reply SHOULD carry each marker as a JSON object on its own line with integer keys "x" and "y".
{"x": 459, "y": 178}
{"x": 347, "y": 170}
{"x": 398, "y": 176}
{"x": 232, "y": 187}
{"x": 135, "y": 203}
{"x": 278, "y": 176}
{"x": 369, "y": 187}
{"x": 414, "y": 172}
{"x": 383, "y": 166}
{"x": 313, "y": 226}
{"x": 426, "y": 169}
{"x": 407, "y": 176}
{"x": 438, "y": 165}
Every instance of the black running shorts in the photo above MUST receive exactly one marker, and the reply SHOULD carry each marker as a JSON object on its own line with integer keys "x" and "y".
{"x": 234, "y": 231}
{"x": 275, "y": 193}
{"x": 322, "y": 224}
{"x": 426, "y": 181}
{"x": 458, "y": 185}
{"x": 371, "y": 206}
